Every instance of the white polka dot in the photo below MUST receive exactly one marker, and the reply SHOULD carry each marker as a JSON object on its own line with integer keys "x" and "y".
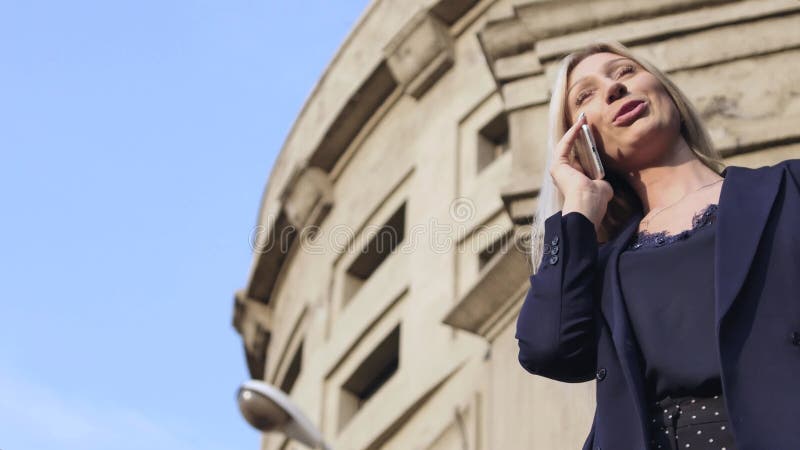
{"x": 699, "y": 431}
{"x": 692, "y": 400}
{"x": 710, "y": 439}
{"x": 670, "y": 416}
{"x": 703, "y": 407}
{"x": 694, "y": 417}
{"x": 665, "y": 410}
{"x": 722, "y": 427}
{"x": 716, "y": 396}
{"x": 716, "y": 413}
{"x": 688, "y": 445}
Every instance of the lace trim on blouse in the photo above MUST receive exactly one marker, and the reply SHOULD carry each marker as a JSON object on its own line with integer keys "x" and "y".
{"x": 705, "y": 216}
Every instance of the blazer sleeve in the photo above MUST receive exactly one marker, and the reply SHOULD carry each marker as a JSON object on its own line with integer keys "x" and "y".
{"x": 556, "y": 324}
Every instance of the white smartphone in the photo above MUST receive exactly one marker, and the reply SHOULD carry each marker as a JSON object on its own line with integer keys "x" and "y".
{"x": 588, "y": 155}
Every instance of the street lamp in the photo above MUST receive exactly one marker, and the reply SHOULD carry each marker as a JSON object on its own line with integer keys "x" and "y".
{"x": 267, "y": 408}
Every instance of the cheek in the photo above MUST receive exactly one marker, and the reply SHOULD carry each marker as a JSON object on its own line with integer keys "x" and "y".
{"x": 594, "y": 116}
{"x": 605, "y": 140}
{"x": 662, "y": 102}
{"x": 650, "y": 83}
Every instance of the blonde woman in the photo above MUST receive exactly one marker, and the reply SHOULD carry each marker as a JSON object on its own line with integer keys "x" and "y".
{"x": 674, "y": 281}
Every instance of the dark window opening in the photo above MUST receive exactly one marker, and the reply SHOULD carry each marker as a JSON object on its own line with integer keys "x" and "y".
{"x": 495, "y": 248}
{"x": 381, "y": 245}
{"x": 293, "y": 371}
{"x": 370, "y": 376}
{"x": 492, "y": 141}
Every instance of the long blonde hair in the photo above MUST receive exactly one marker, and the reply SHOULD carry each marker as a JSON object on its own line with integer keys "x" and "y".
{"x": 625, "y": 200}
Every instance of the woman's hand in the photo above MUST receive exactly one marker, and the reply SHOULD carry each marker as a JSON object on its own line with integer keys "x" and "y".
{"x": 582, "y": 194}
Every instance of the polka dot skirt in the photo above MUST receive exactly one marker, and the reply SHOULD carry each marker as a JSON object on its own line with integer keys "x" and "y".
{"x": 695, "y": 423}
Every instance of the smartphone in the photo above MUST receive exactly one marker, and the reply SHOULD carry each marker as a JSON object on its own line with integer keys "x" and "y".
{"x": 588, "y": 155}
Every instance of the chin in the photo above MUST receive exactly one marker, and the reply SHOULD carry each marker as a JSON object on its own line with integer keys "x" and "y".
{"x": 647, "y": 134}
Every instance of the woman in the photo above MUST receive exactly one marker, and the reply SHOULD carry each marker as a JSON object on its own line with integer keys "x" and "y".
{"x": 674, "y": 282}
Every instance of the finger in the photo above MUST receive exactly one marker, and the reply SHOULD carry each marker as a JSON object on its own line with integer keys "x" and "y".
{"x": 573, "y": 159}
{"x": 565, "y": 145}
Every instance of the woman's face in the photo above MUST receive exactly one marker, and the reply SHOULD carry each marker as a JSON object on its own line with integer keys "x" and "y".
{"x": 600, "y": 85}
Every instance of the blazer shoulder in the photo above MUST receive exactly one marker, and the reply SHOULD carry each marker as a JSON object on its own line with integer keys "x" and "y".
{"x": 790, "y": 166}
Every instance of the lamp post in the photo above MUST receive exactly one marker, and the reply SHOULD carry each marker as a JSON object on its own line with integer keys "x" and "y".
{"x": 267, "y": 408}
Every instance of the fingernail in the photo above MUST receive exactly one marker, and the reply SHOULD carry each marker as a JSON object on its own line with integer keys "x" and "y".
{"x": 581, "y": 116}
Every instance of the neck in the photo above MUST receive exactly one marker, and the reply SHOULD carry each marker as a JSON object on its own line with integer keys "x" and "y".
{"x": 665, "y": 181}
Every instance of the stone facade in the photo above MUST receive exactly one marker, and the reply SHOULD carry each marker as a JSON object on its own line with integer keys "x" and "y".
{"x": 430, "y": 122}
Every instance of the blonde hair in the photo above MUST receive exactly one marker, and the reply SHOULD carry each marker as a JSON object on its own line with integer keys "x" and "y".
{"x": 625, "y": 200}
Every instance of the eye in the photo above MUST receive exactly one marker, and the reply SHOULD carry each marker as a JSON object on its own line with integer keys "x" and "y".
{"x": 622, "y": 71}
{"x": 625, "y": 69}
{"x": 579, "y": 99}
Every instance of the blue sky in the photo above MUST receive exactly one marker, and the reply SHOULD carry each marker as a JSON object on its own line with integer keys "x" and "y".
{"x": 136, "y": 139}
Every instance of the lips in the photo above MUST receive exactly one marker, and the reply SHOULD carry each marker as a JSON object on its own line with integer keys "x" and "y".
{"x": 628, "y": 111}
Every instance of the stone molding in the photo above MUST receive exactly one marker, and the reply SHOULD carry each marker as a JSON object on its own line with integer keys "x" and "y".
{"x": 305, "y": 202}
{"x": 420, "y": 53}
{"x": 253, "y": 321}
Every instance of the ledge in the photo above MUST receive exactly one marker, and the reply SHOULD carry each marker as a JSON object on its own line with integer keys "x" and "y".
{"x": 655, "y": 28}
{"x": 517, "y": 66}
{"x": 520, "y": 198}
{"x": 375, "y": 424}
{"x": 538, "y": 20}
{"x": 497, "y": 288}
{"x": 352, "y": 116}
{"x": 530, "y": 91}
{"x": 450, "y": 11}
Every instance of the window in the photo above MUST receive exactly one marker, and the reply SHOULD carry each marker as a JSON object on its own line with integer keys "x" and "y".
{"x": 380, "y": 246}
{"x": 376, "y": 369}
{"x": 293, "y": 371}
{"x": 492, "y": 141}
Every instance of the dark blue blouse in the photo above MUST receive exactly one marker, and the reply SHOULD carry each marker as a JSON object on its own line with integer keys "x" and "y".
{"x": 668, "y": 285}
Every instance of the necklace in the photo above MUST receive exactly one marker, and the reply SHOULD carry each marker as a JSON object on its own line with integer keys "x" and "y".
{"x": 646, "y": 222}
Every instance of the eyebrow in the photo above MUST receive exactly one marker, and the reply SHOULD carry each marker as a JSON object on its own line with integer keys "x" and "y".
{"x": 605, "y": 68}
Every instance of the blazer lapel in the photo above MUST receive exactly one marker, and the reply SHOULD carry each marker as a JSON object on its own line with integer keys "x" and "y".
{"x": 613, "y": 309}
{"x": 745, "y": 203}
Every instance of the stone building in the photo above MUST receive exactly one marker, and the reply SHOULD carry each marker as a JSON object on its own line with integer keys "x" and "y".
{"x": 430, "y": 124}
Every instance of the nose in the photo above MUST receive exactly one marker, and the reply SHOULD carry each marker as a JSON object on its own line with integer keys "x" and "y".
{"x": 614, "y": 91}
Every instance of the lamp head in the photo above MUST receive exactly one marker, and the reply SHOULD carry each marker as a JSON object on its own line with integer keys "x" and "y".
{"x": 260, "y": 410}
{"x": 267, "y": 408}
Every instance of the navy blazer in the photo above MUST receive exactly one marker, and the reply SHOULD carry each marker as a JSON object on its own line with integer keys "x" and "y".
{"x": 573, "y": 326}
